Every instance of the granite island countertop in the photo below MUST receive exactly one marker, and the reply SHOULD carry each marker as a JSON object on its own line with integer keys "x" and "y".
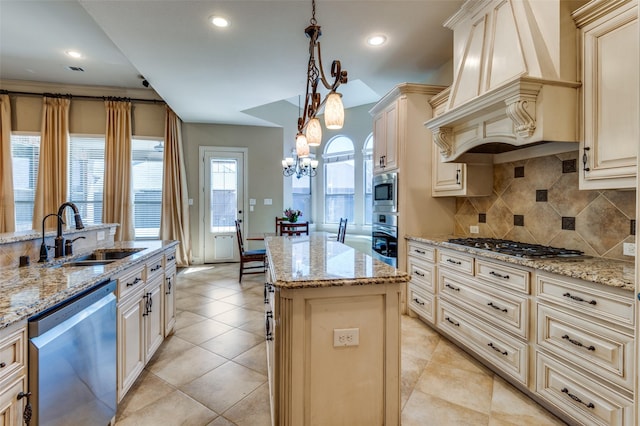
{"x": 318, "y": 261}
{"x": 29, "y": 290}
{"x": 609, "y": 272}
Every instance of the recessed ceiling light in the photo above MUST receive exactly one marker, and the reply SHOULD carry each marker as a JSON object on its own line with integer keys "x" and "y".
{"x": 219, "y": 21}
{"x": 376, "y": 40}
{"x": 74, "y": 54}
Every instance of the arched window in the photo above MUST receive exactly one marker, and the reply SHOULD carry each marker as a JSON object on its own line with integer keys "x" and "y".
{"x": 367, "y": 154}
{"x": 339, "y": 180}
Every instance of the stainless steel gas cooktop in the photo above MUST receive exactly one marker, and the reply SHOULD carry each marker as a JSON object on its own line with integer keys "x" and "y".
{"x": 515, "y": 248}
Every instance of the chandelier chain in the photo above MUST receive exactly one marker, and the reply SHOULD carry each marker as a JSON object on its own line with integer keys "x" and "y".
{"x": 313, "y": 13}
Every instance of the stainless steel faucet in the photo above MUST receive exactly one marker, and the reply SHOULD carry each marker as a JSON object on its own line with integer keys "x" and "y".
{"x": 59, "y": 241}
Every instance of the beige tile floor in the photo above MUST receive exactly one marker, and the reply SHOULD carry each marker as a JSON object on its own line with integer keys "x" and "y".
{"x": 212, "y": 370}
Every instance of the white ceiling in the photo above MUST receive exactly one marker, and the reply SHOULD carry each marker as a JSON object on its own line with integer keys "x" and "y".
{"x": 212, "y": 75}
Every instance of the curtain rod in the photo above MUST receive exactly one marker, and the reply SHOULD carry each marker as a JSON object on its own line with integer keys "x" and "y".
{"x": 100, "y": 98}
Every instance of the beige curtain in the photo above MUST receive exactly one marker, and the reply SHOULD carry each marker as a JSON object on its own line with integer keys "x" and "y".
{"x": 51, "y": 186}
{"x": 117, "y": 206}
{"x": 7, "y": 210}
{"x": 174, "y": 220}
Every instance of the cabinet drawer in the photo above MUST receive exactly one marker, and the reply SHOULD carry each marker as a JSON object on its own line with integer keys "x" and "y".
{"x": 132, "y": 279}
{"x": 421, "y": 251}
{"x": 422, "y": 304}
{"x": 169, "y": 258}
{"x": 502, "y": 309}
{"x": 601, "y": 303}
{"x": 154, "y": 267}
{"x": 504, "y": 276}
{"x": 594, "y": 347}
{"x": 455, "y": 260}
{"x": 422, "y": 274}
{"x": 505, "y": 353}
{"x": 12, "y": 352}
{"x": 584, "y": 399}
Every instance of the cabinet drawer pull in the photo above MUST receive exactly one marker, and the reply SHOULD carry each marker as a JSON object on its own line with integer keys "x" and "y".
{"x": 451, "y": 287}
{"x": 497, "y": 307}
{"x": 136, "y": 281}
{"x": 415, "y": 299}
{"x": 420, "y": 251}
{"x": 28, "y": 411}
{"x": 3, "y": 364}
{"x": 579, "y": 299}
{"x": 269, "y": 334}
{"x": 168, "y": 279}
{"x": 171, "y": 258}
{"x": 576, "y": 399}
{"x": 418, "y": 273}
{"x": 458, "y": 177}
{"x": 457, "y": 324}
{"x": 155, "y": 268}
{"x": 455, "y": 262}
{"x": 495, "y": 274}
{"x": 577, "y": 343}
{"x": 497, "y": 349}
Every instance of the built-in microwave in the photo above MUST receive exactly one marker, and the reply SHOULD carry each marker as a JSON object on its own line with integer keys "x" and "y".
{"x": 385, "y": 192}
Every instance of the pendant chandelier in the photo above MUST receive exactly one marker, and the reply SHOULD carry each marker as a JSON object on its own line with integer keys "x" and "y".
{"x": 309, "y": 130}
{"x": 299, "y": 166}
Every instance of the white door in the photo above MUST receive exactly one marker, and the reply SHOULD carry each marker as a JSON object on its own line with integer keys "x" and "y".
{"x": 223, "y": 202}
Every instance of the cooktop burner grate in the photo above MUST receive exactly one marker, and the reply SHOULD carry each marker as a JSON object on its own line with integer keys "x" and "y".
{"x": 514, "y": 248}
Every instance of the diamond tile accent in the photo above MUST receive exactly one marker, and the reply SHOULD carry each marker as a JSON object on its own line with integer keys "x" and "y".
{"x": 482, "y": 218}
{"x": 518, "y": 220}
{"x": 569, "y": 223}
{"x": 518, "y": 172}
{"x": 570, "y": 166}
{"x": 541, "y": 195}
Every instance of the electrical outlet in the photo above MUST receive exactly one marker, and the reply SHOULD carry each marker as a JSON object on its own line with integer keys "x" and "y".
{"x": 346, "y": 337}
{"x": 629, "y": 249}
{"x": 474, "y": 229}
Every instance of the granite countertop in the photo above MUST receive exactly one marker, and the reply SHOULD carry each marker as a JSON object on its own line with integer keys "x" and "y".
{"x": 29, "y": 290}
{"x": 318, "y": 261}
{"x": 32, "y": 234}
{"x": 609, "y": 272}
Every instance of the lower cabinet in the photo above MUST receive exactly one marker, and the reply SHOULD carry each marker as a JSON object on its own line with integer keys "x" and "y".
{"x": 334, "y": 354}
{"x": 144, "y": 297}
{"x": 14, "y": 398}
{"x": 567, "y": 342}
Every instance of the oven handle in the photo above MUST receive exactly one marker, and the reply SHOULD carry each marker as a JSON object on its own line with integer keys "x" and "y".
{"x": 382, "y": 229}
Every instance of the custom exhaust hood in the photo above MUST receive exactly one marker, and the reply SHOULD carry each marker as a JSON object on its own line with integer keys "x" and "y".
{"x": 515, "y": 65}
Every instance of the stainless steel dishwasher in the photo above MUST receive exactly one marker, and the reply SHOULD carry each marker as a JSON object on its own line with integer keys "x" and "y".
{"x": 72, "y": 360}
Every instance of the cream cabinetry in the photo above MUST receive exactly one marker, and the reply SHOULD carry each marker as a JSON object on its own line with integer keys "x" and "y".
{"x": 471, "y": 179}
{"x": 13, "y": 376}
{"x": 316, "y": 379}
{"x": 169, "y": 299}
{"x": 385, "y": 139}
{"x": 567, "y": 342}
{"x": 140, "y": 317}
{"x": 399, "y": 117}
{"x": 422, "y": 287}
{"x": 610, "y": 129}
{"x": 478, "y": 306}
{"x": 585, "y": 350}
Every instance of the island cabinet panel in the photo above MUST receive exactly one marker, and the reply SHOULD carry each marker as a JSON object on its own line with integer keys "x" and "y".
{"x": 319, "y": 378}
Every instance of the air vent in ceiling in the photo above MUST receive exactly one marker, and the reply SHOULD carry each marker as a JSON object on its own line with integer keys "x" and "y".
{"x": 75, "y": 69}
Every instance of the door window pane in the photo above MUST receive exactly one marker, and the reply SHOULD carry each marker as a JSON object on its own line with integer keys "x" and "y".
{"x": 25, "y": 154}
{"x": 224, "y": 195}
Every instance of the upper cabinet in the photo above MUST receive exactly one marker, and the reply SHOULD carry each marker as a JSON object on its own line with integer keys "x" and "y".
{"x": 471, "y": 179}
{"x": 385, "y": 139}
{"x": 609, "y": 131}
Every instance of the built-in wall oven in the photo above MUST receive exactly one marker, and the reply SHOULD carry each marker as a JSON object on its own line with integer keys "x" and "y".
{"x": 384, "y": 238}
{"x": 385, "y": 193}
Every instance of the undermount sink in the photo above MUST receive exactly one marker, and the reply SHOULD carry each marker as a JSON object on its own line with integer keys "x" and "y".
{"x": 101, "y": 257}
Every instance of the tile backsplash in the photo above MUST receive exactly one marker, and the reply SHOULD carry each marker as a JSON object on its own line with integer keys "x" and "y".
{"x": 538, "y": 201}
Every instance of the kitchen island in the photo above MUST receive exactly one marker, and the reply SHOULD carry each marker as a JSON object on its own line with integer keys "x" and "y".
{"x": 333, "y": 333}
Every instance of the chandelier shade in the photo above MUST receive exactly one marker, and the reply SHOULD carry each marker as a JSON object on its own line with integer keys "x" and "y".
{"x": 302, "y": 147}
{"x": 299, "y": 166}
{"x": 334, "y": 112}
{"x": 314, "y": 132}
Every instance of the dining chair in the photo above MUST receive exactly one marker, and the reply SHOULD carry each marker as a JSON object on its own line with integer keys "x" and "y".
{"x": 294, "y": 229}
{"x": 279, "y": 221}
{"x": 342, "y": 230}
{"x": 250, "y": 257}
